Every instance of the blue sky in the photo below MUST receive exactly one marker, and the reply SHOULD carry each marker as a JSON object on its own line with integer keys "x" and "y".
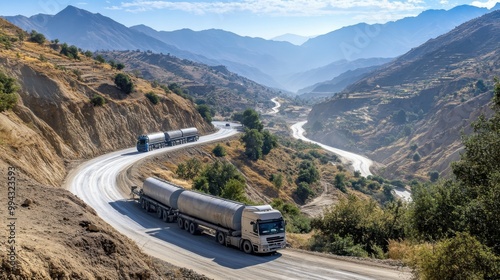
{"x": 255, "y": 18}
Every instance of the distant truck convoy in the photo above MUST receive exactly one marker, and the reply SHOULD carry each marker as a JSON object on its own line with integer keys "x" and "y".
{"x": 148, "y": 142}
{"x": 253, "y": 229}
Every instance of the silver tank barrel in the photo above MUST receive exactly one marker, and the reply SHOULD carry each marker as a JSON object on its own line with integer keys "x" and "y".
{"x": 157, "y": 137}
{"x": 162, "y": 191}
{"x": 191, "y": 131}
{"x": 214, "y": 210}
{"x": 173, "y": 134}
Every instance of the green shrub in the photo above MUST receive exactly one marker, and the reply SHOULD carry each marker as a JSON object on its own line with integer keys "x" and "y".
{"x": 123, "y": 82}
{"x": 69, "y": 51}
{"x": 37, "y": 37}
{"x": 416, "y": 157}
{"x": 155, "y": 99}
{"x": 8, "y": 89}
{"x": 219, "y": 151}
{"x": 303, "y": 191}
{"x": 460, "y": 257}
{"x": 98, "y": 100}
{"x": 205, "y": 112}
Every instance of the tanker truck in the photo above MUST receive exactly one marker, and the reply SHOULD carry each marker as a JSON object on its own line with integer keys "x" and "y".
{"x": 157, "y": 140}
{"x": 253, "y": 229}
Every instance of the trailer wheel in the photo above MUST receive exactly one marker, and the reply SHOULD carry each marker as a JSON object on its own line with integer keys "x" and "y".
{"x": 180, "y": 223}
{"x": 193, "y": 228}
{"x": 221, "y": 238}
{"x": 159, "y": 213}
{"x": 247, "y": 247}
{"x": 186, "y": 225}
{"x": 165, "y": 215}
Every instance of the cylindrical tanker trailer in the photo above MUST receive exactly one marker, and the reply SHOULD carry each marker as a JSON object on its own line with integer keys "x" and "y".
{"x": 253, "y": 229}
{"x": 190, "y": 134}
{"x": 148, "y": 142}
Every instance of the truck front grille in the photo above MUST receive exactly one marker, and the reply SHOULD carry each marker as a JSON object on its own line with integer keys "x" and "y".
{"x": 275, "y": 240}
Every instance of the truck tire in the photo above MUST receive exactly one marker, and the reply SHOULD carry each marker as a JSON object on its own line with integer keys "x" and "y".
{"x": 193, "y": 228}
{"x": 180, "y": 223}
{"x": 247, "y": 247}
{"x": 186, "y": 225}
{"x": 143, "y": 204}
{"x": 159, "y": 213}
{"x": 220, "y": 238}
{"x": 165, "y": 216}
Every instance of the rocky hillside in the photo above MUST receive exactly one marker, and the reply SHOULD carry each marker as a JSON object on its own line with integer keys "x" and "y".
{"x": 409, "y": 114}
{"x": 53, "y": 124}
{"x": 221, "y": 89}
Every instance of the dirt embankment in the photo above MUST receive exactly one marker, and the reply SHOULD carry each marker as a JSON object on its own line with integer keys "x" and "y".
{"x": 53, "y": 126}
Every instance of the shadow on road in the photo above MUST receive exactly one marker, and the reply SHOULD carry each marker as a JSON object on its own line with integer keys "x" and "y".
{"x": 203, "y": 245}
{"x": 131, "y": 153}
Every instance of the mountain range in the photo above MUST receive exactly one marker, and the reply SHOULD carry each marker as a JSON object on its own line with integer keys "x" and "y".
{"x": 409, "y": 114}
{"x": 272, "y": 63}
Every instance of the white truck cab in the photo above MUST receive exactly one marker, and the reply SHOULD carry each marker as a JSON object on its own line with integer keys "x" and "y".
{"x": 264, "y": 227}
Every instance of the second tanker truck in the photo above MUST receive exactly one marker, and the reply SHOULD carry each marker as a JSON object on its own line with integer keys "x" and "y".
{"x": 253, "y": 229}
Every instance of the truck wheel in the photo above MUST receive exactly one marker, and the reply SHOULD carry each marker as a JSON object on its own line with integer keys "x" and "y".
{"x": 143, "y": 204}
{"x": 158, "y": 213}
{"x": 180, "y": 223}
{"x": 221, "y": 239}
{"x": 165, "y": 216}
{"x": 193, "y": 228}
{"x": 247, "y": 247}
{"x": 186, "y": 225}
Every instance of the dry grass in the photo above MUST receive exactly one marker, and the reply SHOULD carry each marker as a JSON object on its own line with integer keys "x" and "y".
{"x": 299, "y": 240}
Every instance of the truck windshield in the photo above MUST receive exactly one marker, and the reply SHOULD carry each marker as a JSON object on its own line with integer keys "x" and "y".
{"x": 142, "y": 141}
{"x": 267, "y": 228}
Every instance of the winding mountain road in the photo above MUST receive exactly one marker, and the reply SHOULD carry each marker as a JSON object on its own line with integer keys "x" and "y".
{"x": 360, "y": 163}
{"x": 95, "y": 182}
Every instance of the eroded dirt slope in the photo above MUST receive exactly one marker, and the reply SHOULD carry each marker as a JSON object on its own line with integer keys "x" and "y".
{"x": 52, "y": 127}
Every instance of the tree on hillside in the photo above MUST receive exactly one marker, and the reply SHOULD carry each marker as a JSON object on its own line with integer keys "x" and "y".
{"x": 308, "y": 172}
{"x": 399, "y": 117}
{"x": 359, "y": 227}
{"x": 205, "y": 113}
{"x": 468, "y": 204}
{"x": 8, "y": 89}
{"x": 253, "y": 141}
{"x": 69, "y": 51}
{"x": 269, "y": 142}
{"x": 124, "y": 83}
{"x": 37, "y": 37}
{"x": 219, "y": 151}
{"x": 478, "y": 172}
{"x": 251, "y": 120}
{"x": 215, "y": 177}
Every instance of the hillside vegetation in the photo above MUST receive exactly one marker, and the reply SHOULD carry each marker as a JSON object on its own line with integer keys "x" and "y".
{"x": 222, "y": 90}
{"x": 59, "y": 106}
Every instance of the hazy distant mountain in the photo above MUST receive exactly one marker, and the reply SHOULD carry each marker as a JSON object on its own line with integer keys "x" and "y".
{"x": 291, "y": 38}
{"x": 337, "y": 84}
{"x": 93, "y": 32}
{"x": 268, "y": 62}
{"x": 330, "y": 71}
{"x": 270, "y": 57}
{"x": 386, "y": 40}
